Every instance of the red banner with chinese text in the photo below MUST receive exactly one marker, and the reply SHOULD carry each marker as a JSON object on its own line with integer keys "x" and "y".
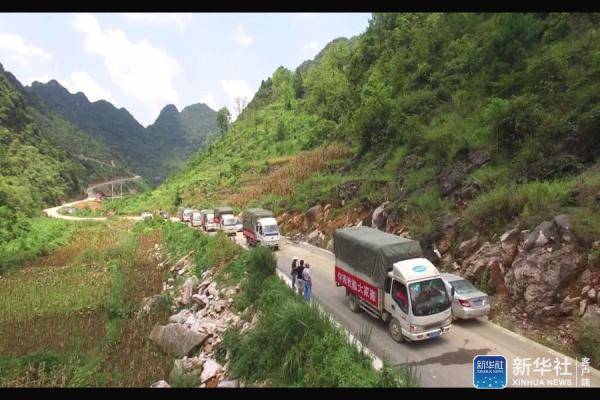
{"x": 362, "y": 289}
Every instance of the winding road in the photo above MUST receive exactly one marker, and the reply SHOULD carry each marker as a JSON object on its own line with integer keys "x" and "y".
{"x": 446, "y": 361}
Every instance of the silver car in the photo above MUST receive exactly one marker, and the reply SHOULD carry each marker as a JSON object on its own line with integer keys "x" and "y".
{"x": 468, "y": 301}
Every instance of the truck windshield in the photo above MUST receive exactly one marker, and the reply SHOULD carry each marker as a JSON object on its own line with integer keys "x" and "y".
{"x": 428, "y": 297}
{"x": 209, "y": 218}
{"x": 229, "y": 221}
{"x": 270, "y": 230}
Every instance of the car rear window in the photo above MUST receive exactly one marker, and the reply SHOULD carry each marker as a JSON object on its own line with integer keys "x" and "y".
{"x": 463, "y": 286}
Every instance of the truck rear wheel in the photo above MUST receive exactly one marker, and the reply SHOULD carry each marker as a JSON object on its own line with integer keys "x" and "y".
{"x": 353, "y": 303}
{"x": 396, "y": 330}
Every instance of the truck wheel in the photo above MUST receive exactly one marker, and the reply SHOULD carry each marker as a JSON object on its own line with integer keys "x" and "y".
{"x": 353, "y": 303}
{"x": 396, "y": 330}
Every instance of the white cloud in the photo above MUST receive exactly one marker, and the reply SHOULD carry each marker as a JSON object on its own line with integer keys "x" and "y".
{"x": 209, "y": 101}
{"x": 137, "y": 68}
{"x": 81, "y": 81}
{"x": 237, "y": 89}
{"x": 242, "y": 36}
{"x": 180, "y": 20}
{"x": 20, "y": 51}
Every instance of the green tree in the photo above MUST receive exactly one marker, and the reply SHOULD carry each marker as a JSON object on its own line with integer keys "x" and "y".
{"x": 223, "y": 120}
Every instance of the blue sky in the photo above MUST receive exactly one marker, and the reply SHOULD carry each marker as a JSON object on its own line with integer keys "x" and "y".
{"x": 145, "y": 61}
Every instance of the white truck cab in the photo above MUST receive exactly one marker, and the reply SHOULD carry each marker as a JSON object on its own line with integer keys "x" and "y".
{"x": 228, "y": 224}
{"x": 387, "y": 277}
{"x": 267, "y": 232}
{"x": 416, "y": 301}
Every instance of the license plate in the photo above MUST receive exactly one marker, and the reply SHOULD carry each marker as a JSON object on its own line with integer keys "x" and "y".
{"x": 478, "y": 303}
{"x": 435, "y": 334}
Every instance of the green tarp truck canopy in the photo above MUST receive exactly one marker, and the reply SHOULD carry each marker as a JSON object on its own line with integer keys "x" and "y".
{"x": 371, "y": 251}
{"x": 251, "y": 215}
{"x": 223, "y": 210}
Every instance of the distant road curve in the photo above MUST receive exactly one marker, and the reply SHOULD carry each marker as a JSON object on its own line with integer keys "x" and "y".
{"x": 90, "y": 191}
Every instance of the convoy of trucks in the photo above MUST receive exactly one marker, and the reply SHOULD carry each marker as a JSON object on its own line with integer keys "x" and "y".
{"x": 260, "y": 228}
{"x": 386, "y": 276}
{"x": 383, "y": 275}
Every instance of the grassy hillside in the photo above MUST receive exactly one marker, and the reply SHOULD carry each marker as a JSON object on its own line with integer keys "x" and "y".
{"x": 490, "y": 117}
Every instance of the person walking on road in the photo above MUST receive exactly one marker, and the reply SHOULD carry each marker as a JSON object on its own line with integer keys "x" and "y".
{"x": 307, "y": 282}
{"x": 294, "y": 272}
{"x": 299, "y": 280}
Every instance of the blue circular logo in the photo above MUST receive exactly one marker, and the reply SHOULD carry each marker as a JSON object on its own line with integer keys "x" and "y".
{"x": 419, "y": 268}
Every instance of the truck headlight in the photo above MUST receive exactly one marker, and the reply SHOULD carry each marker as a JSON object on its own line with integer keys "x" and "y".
{"x": 416, "y": 328}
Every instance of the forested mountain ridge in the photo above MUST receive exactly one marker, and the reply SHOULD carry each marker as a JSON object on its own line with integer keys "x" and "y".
{"x": 152, "y": 152}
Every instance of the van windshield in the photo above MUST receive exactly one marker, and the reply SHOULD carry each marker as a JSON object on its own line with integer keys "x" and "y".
{"x": 209, "y": 218}
{"x": 428, "y": 297}
{"x": 270, "y": 230}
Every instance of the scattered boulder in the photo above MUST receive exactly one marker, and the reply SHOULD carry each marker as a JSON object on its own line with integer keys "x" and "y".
{"x": 509, "y": 242}
{"x": 591, "y": 294}
{"x": 567, "y": 306}
{"x": 313, "y": 213}
{"x": 585, "y": 290}
{"x": 160, "y": 385}
{"x": 211, "y": 290}
{"x": 210, "y": 370}
{"x": 582, "y": 307}
{"x": 563, "y": 221}
{"x": 181, "y": 317}
{"x": 487, "y": 255}
{"x": 219, "y": 306}
{"x": 176, "y": 339}
{"x": 552, "y": 311}
{"x": 187, "y": 289}
{"x": 200, "y": 299}
{"x": 544, "y": 233}
{"x": 467, "y": 247}
{"x": 379, "y": 218}
{"x": 585, "y": 276}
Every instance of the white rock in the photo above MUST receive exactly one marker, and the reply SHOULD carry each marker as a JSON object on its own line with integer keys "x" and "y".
{"x": 160, "y": 384}
{"x": 211, "y": 368}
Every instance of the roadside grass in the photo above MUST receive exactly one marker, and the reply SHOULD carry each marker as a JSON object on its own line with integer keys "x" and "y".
{"x": 208, "y": 252}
